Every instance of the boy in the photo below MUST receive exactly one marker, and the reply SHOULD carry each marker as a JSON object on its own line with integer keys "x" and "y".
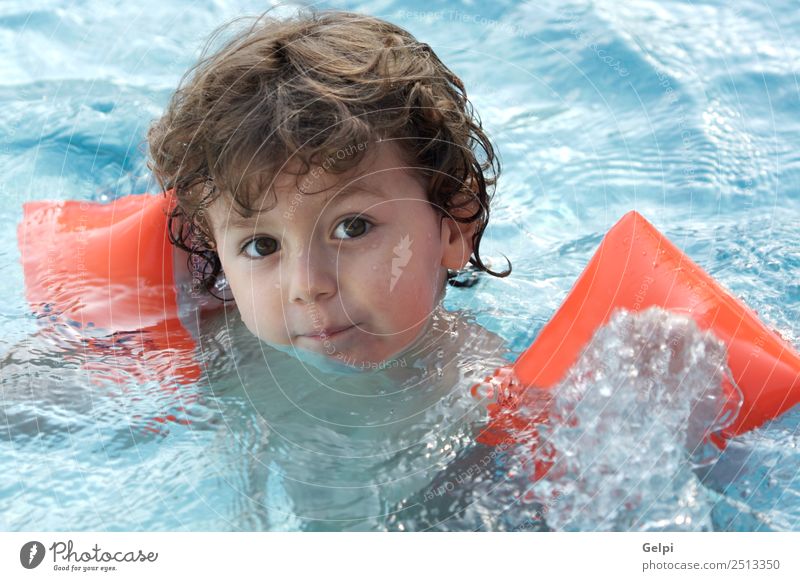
{"x": 331, "y": 166}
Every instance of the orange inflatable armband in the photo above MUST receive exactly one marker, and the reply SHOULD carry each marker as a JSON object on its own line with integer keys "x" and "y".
{"x": 108, "y": 269}
{"x": 636, "y": 267}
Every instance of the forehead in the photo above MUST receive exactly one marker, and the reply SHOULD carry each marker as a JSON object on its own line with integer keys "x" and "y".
{"x": 382, "y": 173}
{"x": 247, "y": 219}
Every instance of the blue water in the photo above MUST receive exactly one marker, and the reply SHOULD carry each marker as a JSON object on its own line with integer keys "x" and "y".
{"x": 684, "y": 111}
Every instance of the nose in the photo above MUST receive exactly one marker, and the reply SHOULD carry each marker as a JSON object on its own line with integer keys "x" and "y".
{"x": 310, "y": 275}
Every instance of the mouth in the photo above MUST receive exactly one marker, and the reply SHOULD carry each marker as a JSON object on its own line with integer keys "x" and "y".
{"x": 325, "y": 334}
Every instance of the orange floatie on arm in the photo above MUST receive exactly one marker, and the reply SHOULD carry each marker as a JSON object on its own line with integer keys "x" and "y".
{"x": 108, "y": 268}
{"x": 637, "y": 267}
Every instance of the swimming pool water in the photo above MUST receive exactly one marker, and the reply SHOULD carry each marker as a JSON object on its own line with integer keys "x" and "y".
{"x": 684, "y": 111}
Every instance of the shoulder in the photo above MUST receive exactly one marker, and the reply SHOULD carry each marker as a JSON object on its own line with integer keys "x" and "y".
{"x": 471, "y": 340}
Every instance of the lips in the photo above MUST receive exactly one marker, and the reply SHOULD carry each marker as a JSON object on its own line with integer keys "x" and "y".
{"x": 327, "y": 333}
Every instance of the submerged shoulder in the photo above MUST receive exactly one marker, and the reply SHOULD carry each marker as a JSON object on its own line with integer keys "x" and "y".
{"x": 470, "y": 339}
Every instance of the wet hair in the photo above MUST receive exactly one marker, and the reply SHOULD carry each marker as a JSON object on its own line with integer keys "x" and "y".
{"x": 314, "y": 90}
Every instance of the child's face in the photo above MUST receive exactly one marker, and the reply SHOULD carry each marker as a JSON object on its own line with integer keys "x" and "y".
{"x": 352, "y": 272}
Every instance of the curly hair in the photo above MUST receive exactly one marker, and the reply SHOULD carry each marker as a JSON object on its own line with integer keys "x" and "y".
{"x": 298, "y": 89}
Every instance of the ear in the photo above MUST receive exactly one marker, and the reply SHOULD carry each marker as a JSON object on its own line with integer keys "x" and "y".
{"x": 457, "y": 236}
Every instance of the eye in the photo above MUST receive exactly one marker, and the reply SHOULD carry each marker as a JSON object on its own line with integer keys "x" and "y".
{"x": 352, "y": 227}
{"x": 260, "y": 247}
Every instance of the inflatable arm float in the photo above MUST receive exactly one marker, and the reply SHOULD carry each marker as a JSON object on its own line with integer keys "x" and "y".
{"x": 105, "y": 271}
{"x": 636, "y": 267}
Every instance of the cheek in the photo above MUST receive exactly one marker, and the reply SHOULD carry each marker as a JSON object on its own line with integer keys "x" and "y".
{"x": 244, "y": 299}
{"x": 418, "y": 278}
{"x": 258, "y": 303}
{"x": 396, "y": 286}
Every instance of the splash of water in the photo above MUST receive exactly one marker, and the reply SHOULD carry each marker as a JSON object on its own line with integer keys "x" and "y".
{"x": 629, "y": 424}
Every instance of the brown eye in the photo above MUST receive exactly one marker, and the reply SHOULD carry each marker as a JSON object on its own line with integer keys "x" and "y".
{"x": 352, "y": 228}
{"x": 260, "y": 247}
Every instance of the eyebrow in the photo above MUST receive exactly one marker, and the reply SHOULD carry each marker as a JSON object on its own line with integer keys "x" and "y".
{"x": 236, "y": 220}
